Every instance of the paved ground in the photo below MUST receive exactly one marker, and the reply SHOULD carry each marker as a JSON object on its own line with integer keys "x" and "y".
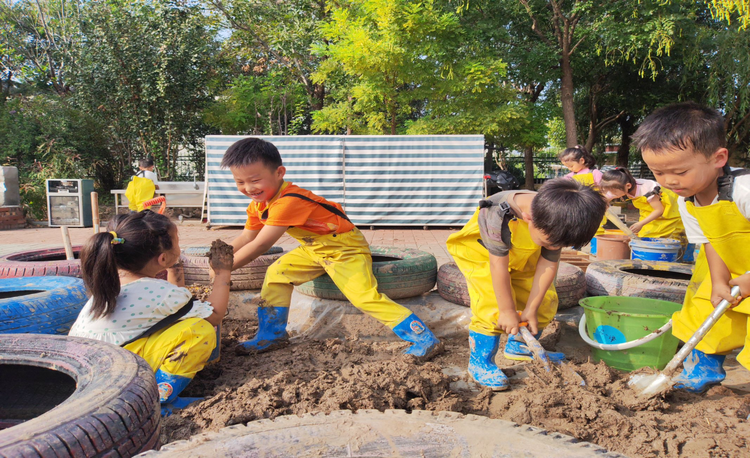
{"x": 194, "y": 234}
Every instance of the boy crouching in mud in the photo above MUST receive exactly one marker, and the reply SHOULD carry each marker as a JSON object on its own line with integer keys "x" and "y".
{"x": 685, "y": 146}
{"x": 509, "y": 252}
{"x": 329, "y": 243}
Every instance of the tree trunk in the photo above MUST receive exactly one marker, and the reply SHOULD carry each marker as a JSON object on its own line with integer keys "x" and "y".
{"x": 627, "y": 128}
{"x": 528, "y": 161}
{"x": 566, "y": 99}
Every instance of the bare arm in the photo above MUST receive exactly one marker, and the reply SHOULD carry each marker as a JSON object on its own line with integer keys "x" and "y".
{"x": 655, "y": 202}
{"x": 176, "y": 275}
{"x": 508, "y": 319}
{"x": 261, "y": 243}
{"x": 544, "y": 275}
{"x": 246, "y": 237}
{"x": 220, "y": 262}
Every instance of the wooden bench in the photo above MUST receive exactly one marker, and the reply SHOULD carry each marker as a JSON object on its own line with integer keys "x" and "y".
{"x": 178, "y": 194}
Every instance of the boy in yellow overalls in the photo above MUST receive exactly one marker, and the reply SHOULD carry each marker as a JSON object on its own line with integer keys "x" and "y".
{"x": 509, "y": 252}
{"x": 329, "y": 243}
{"x": 685, "y": 146}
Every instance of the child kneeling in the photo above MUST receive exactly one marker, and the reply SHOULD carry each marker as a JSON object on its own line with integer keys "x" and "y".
{"x": 509, "y": 253}
{"x": 118, "y": 268}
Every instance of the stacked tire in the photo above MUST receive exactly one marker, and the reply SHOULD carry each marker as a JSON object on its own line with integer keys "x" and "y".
{"x": 400, "y": 272}
{"x": 666, "y": 281}
{"x": 37, "y": 263}
{"x": 68, "y": 396}
{"x": 570, "y": 285}
{"x": 250, "y": 276}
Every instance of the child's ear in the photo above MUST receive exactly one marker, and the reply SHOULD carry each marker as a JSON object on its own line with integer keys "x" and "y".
{"x": 162, "y": 260}
{"x": 526, "y": 217}
{"x": 280, "y": 172}
{"x": 720, "y": 157}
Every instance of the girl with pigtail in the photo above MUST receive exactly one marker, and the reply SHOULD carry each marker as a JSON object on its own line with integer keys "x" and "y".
{"x": 659, "y": 214}
{"x": 581, "y": 164}
{"x": 155, "y": 319}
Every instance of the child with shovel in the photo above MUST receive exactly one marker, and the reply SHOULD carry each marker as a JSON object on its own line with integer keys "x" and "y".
{"x": 509, "y": 253}
{"x": 685, "y": 146}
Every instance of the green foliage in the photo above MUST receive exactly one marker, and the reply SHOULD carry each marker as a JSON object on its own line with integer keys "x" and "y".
{"x": 257, "y": 105}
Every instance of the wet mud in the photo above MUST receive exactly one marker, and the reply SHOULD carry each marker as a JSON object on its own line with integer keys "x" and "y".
{"x": 357, "y": 373}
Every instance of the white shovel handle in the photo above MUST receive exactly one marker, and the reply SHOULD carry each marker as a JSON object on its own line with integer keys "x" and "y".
{"x": 620, "y": 346}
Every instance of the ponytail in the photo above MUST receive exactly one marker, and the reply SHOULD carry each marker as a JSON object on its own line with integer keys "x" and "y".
{"x": 617, "y": 179}
{"x": 132, "y": 241}
{"x": 576, "y": 153}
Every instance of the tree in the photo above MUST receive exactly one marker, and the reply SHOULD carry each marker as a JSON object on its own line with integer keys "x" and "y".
{"x": 146, "y": 70}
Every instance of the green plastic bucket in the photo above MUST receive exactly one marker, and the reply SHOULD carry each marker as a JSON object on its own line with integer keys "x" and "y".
{"x": 617, "y": 320}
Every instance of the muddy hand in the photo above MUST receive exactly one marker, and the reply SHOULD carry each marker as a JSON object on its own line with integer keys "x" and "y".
{"x": 220, "y": 256}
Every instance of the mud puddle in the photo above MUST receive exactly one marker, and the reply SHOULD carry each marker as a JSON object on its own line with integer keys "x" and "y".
{"x": 336, "y": 374}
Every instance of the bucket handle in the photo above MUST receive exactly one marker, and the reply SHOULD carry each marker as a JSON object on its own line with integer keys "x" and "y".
{"x": 621, "y": 346}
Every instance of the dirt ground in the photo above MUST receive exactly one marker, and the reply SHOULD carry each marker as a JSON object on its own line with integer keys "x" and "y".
{"x": 357, "y": 373}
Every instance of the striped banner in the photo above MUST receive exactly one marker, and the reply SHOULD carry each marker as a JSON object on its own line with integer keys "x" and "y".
{"x": 404, "y": 180}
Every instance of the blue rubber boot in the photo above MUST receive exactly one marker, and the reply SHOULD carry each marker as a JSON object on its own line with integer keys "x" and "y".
{"x": 170, "y": 386}
{"x": 516, "y": 349}
{"x": 413, "y": 330}
{"x": 271, "y": 328}
{"x": 700, "y": 372}
{"x": 482, "y": 367}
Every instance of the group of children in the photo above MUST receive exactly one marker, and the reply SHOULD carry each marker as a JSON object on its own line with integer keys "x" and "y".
{"x": 509, "y": 253}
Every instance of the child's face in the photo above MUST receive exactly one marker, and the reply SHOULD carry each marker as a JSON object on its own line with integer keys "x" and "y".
{"x": 684, "y": 171}
{"x": 573, "y": 165}
{"x": 257, "y": 181}
{"x": 540, "y": 238}
{"x": 173, "y": 255}
{"x": 613, "y": 193}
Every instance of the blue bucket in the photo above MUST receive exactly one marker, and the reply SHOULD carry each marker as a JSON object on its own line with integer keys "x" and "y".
{"x": 691, "y": 252}
{"x": 593, "y": 246}
{"x": 655, "y": 249}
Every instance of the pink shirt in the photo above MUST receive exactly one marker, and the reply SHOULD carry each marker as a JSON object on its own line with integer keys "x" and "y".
{"x": 596, "y": 172}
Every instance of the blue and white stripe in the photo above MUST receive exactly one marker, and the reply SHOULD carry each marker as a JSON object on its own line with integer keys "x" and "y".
{"x": 379, "y": 180}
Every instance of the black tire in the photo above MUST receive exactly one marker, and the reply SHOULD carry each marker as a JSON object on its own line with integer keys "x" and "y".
{"x": 667, "y": 281}
{"x": 400, "y": 272}
{"x": 37, "y": 263}
{"x": 40, "y": 305}
{"x": 451, "y": 285}
{"x": 389, "y": 433}
{"x": 570, "y": 285}
{"x": 69, "y": 396}
{"x": 195, "y": 266}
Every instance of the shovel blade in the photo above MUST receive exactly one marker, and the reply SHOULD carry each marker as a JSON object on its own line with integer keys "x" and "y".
{"x": 650, "y": 385}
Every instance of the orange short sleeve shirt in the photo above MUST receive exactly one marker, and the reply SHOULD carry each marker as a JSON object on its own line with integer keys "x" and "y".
{"x": 293, "y": 211}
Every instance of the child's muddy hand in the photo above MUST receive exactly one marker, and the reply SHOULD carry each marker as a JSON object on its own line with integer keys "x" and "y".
{"x": 508, "y": 322}
{"x": 743, "y": 281}
{"x": 220, "y": 257}
{"x": 636, "y": 228}
{"x": 723, "y": 292}
{"x": 530, "y": 317}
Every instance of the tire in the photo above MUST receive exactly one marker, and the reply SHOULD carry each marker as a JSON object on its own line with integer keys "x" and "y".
{"x": 389, "y": 433}
{"x": 195, "y": 267}
{"x": 451, "y": 285}
{"x": 412, "y": 273}
{"x": 40, "y": 305}
{"x": 570, "y": 285}
{"x": 69, "y": 396}
{"x": 38, "y": 263}
{"x": 667, "y": 281}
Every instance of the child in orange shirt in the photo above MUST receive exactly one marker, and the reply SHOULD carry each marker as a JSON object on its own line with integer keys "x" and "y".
{"x": 329, "y": 243}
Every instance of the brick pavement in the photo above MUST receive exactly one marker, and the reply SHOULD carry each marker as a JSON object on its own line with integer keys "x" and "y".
{"x": 194, "y": 234}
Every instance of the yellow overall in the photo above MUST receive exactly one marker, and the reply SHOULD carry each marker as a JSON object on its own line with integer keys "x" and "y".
{"x": 473, "y": 260}
{"x": 667, "y": 225}
{"x": 728, "y": 231}
{"x": 588, "y": 180}
{"x": 346, "y": 258}
{"x": 181, "y": 349}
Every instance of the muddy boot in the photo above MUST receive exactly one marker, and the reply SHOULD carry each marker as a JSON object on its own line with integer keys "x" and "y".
{"x": 516, "y": 349}
{"x": 170, "y": 386}
{"x": 700, "y": 372}
{"x": 413, "y": 330}
{"x": 271, "y": 329}
{"x": 482, "y": 367}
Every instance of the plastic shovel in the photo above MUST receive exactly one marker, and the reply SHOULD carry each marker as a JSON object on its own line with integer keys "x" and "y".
{"x": 541, "y": 354}
{"x": 652, "y": 385}
{"x": 620, "y": 225}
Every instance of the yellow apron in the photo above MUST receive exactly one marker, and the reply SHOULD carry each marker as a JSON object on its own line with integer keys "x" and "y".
{"x": 669, "y": 224}
{"x": 346, "y": 258}
{"x": 728, "y": 231}
{"x": 181, "y": 349}
{"x": 139, "y": 190}
{"x": 588, "y": 180}
{"x": 473, "y": 260}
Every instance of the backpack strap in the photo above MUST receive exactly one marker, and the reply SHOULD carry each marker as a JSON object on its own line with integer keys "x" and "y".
{"x": 330, "y": 208}
{"x": 505, "y": 209}
{"x": 655, "y": 191}
{"x": 726, "y": 182}
{"x": 164, "y": 322}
